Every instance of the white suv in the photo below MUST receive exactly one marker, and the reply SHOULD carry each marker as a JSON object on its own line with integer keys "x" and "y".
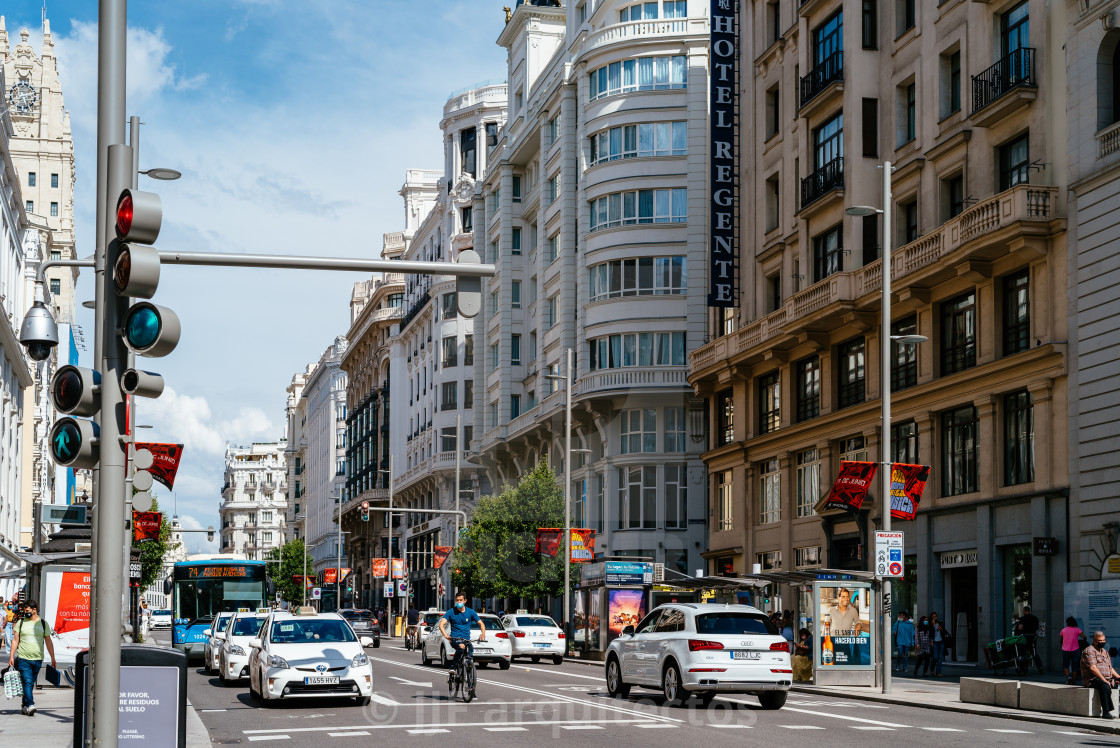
{"x": 688, "y": 649}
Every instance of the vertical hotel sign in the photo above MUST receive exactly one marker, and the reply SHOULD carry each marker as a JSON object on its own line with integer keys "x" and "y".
{"x": 723, "y": 94}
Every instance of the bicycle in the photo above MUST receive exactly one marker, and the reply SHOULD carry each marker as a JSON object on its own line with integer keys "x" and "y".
{"x": 463, "y": 678}
{"x": 412, "y": 637}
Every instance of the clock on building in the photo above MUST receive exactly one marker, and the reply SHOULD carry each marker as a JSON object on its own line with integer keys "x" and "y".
{"x": 23, "y": 97}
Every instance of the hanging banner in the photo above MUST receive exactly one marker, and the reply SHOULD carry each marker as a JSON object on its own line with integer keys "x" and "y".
{"x": 723, "y": 209}
{"x": 330, "y": 576}
{"x": 165, "y": 463}
{"x": 440, "y": 555}
{"x": 308, "y": 582}
{"x": 907, "y": 484}
{"x": 400, "y": 568}
{"x": 379, "y": 568}
{"x": 145, "y": 526}
{"x": 551, "y": 539}
{"x": 850, "y": 488}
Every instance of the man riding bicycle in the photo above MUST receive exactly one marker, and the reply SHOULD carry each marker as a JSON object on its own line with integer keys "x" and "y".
{"x": 413, "y": 629}
{"x": 459, "y": 620}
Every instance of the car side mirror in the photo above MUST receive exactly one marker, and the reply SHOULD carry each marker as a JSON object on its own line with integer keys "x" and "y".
{"x": 209, "y": 632}
{"x": 220, "y": 635}
{"x": 366, "y": 641}
{"x": 255, "y": 643}
{"x": 628, "y": 631}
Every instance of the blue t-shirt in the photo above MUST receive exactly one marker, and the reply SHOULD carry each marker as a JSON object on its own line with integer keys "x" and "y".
{"x": 460, "y": 622}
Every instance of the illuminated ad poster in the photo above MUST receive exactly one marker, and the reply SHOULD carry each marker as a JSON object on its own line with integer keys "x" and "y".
{"x": 594, "y": 620}
{"x": 624, "y": 608}
{"x": 845, "y": 637}
{"x": 379, "y": 568}
{"x": 66, "y": 607}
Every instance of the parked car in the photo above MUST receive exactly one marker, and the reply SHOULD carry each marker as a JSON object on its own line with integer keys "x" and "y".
{"x": 687, "y": 649}
{"x": 212, "y": 651}
{"x": 496, "y": 648}
{"x": 363, "y": 623}
{"x": 535, "y": 636}
{"x": 161, "y": 619}
{"x": 234, "y": 656}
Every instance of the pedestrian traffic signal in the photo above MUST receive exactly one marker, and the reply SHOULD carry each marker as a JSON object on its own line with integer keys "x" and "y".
{"x": 74, "y": 443}
{"x": 75, "y": 390}
{"x": 365, "y": 511}
{"x": 468, "y": 288}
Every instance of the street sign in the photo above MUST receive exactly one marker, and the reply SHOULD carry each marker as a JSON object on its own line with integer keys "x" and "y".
{"x": 135, "y": 571}
{"x": 888, "y": 553}
{"x": 387, "y": 590}
{"x": 316, "y": 593}
{"x": 277, "y": 597}
{"x": 402, "y": 587}
{"x": 64, "y": 514}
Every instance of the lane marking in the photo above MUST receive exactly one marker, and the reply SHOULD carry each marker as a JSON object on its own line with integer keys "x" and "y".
{"x": 353, "y": 733}
{"x": 426, "y": 731}
{"x": 561, "y": 672}
{"x": 658, "y": 726}
{"x": 265, "y": 734}
{"x": 213, "y": 710}
{"x": 269, "y": 737}
{"x": 383, "y": 700}
{"x": 411, "y": 682}
{"x": 1011, "y": 732}
{"x": 871, "y": 727}
{"x": 589, "y": 727}
{"x": 940, "y": 729}
{"x": 1078, "y": 734}
{"x": 801, "y": 727}
{"x": 733, "y": 727}
{"x": 844, "y": 716}
{"x": 506, "y": 729}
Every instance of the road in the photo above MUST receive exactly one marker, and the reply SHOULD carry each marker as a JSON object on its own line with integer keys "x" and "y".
{"x": 532, "y": 702}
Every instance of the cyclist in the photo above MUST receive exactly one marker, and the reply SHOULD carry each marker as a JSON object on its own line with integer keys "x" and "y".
{"x": 413, "y": 619}
{"x": 459, "y": 620}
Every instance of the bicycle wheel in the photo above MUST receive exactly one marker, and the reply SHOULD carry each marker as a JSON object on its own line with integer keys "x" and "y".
{"x": 469, "y": 683}
{"x": 453, "y": 684}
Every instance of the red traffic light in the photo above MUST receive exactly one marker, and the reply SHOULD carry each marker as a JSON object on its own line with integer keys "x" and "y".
{"x": 124, "y": 214}
{"x": 138, "y": 218}
{"x": 365, "y": 505}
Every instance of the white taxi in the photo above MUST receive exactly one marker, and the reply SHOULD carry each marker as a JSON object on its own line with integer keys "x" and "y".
{"x": 535, "y": 636}
{"x": 213, "y": 643}
{"x": 233, "y": 658}
{"x": 496, "y": 648}
{"x": 307, "y": 654}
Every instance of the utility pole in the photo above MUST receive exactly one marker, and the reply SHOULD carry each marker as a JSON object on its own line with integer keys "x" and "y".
{"x": 568, "y": 500}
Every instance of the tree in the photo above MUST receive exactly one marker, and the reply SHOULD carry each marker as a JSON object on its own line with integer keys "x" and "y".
{"x": 497, "y": 557}
{"x": 291, "y": 566}
{"x": 152, "y": 552}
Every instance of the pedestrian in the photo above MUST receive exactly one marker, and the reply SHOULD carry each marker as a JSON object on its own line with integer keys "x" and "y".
{"x": 940, "y": 639}
{"x": 7, "y": 622}
{"x": 803, "y": 657}
{"x": 904, "y": 639}
{"x": 1097, "y": 672}
{"x": 1071, "y": 637}
{"x": 1028, "y": 627}
{"x": 145, "y": 620}
{"x": 32, "y": 633}
{"x": 925, "y": 647}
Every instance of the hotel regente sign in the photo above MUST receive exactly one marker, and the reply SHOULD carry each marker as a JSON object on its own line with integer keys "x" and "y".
{"x": 723, "y": 93}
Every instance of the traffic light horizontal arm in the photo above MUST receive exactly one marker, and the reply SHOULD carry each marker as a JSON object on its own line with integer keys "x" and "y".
{"x": 406, "y": 510}
{"x": 221, "y": 259}
{"x": 41, "y": 275}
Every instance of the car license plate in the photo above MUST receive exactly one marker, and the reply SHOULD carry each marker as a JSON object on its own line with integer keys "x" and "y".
{"x": 482, "y": 649}
{"x": 738, "y": 654}
{"x": 536, "y": 644}
{"x": 321, "y": 680}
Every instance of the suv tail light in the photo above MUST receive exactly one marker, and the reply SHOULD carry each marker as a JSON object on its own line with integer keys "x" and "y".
{"x": 780, "y": 647}
{"x": 560, "y": 635}
{"x": 695, "y": 645}
{"x": 502, "y": 635}
{"x": 519, "y": 634}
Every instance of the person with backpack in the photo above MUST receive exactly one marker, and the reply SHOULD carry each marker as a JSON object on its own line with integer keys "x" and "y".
{"x": 32, "y": 634}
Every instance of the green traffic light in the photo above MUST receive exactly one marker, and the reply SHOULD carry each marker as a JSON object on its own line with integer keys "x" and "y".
{"x": 66, "y": 441}
{"x": 142, "y": 327}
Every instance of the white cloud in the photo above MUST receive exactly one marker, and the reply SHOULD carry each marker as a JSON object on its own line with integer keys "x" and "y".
{"x": 196, "y": 542}
{"x": 189, "y": 421}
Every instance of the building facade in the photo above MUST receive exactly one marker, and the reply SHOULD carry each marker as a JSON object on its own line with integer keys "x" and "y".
{"x": 592, "y": 205}
{"x": 967, "y": 100}
{"x": 295, "y": 413}
{"x": 253, "y": 505}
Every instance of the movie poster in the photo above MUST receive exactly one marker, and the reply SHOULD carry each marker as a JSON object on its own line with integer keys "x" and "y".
{"x": 594, "y": 619}
{"x": 624, "y": 608}
{"x": 845, "y": 636}
{"x": 66, "y": 606}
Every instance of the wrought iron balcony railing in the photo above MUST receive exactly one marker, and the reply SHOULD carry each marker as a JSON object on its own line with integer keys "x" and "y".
{"x": 828, "y": 177}
{"x": 827, "y": 72}
{"x": 1016, "y": 70}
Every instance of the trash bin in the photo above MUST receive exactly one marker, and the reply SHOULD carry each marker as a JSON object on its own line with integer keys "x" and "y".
{"x": 398, "y": 625}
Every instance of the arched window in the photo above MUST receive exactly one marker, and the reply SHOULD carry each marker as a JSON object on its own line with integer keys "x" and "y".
{"x": 1108, "y": 80}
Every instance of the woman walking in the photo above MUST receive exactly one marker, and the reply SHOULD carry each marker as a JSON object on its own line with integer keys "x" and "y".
{"x": 939, "y": 638}
{"x": 925, "y": 647}
{"x": 1073, "y": 641}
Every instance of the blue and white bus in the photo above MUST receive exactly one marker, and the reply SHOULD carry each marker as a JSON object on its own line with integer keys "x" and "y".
{"x": 202, "y": 589}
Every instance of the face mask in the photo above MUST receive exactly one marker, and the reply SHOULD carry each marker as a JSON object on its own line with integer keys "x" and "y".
{"x": 1098, "y": 645}
{"x": 460, "y": 606}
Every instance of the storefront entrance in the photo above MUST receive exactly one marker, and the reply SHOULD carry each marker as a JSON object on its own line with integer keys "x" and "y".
{"x": 961, "y": 616}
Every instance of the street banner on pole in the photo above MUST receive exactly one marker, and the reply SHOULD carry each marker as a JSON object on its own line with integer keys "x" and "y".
{"x": 165, "y": 463}
{"x": 851, "y": 484}
{"x": 551, "y": 539}
{"x": 440, "y": 555}
{"x": 400, "y": 568}
{"x": 145, "y": 526}
{"x": 907, "y": 484}
{"x": 379, "y": 568}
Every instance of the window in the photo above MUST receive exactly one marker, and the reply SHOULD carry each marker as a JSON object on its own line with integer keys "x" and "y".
{"x": 870, "y": 233}
{"x": 807, "y": 558}
{"x": 853, "y": 449}
{"x": 638, "y": 349}
{"x": 769, "y": 561}
{"x": 1014, "y": 163}
{"x": 773, "y": 292}
{"x": 904, "y": 443}
{"x": 340, "y": 413}
{"x": 533, "y": 345}
{"x": 468, "y": 394}
{"x": 676, "y": 496}
{"x": 1018, "y": 439}
{"x": 450, "y": 352}
{"x": 641, "y": 74}
{"x": 725, "y": 418}
{"x": 340, "y": 466}
{"x": 808, "y": 482}
{"x": 773, "y": 203}
{"x": 514, "y": 406}
{"x": 870, "y": 24}
{"x": 770, "y": 493}
{"x": 56, "y": 254}
{"x": 554, "y": 129}
{"x": 851, "y": 371}
{"x": 447, "y": 439}
{"x": 553, "y": 311}
{"x": 639, "y": 431}
{"x": 675, "y": 8}
{"x": 637, "y": 497}
{"x": 828, "y": 39}
{"x": 54, "y": 209}
{"x": 515, "y": 294}
{"x": 773, "y": 112}
{"x": 638, "y": 206}
{"x": 54, "y": 180}
{"x": 950, "y": 83}
{"x": 642, "y": 11}
{"x": 644, "y": 276}
{"x": 266, "y": 517}
{"x": 468, "y": 351}
{"x": 1016, "y": 313}
{"x": 494, "y": 303}
{"x": 466, "y": 215}
{"x": 959, "y": 452}
{"x": 1108, "y": 81}
{"x": 340, "y": 440}
{"x": 1015, "y": 29}
{"x": 516, "y": 240}
{"x": 449, "y": 396}
{"x": 515, "y": 350}
{"x": 516, "y": 189}
{"x": 56, "y": 286}
{"x": 905, "y": 16}
{"x": 958, "y": 334}
{"x": 870, "y": 128}
{"x": 395, "y": 301}
{"x": 493, "y": 357}
{"x": 808, "y": 388}
{"x": 828, "y": 142}
{"x": 774, "y": 20}
{"x": 904, "y": 359}
{"x": 827, "y": 257}
{"x": 952, "y": 196}
{"x": 467, "y": 154}
{"x": 726, "y": 514}
{"x": 449, "y": 306}
{"x": 553, "y": 189}
{"x": 769, "y": 403}
{"x": 907, "y": 111}
{"x": 30, "y": 179}
{"x": 909, "y": 211}
{"x": 29, "y": 206}
{"x": 639, "y": 141}
{"x": 674, "y": 430}
{"x": 494, "y": 414}
{"x": 553, "y": 248}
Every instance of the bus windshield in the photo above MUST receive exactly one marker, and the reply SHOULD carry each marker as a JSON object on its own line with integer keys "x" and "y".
{"x": 203, "y": 591}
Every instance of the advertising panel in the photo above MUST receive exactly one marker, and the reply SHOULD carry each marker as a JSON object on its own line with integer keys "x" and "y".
{"x": 65, "y": 600}
{"x": 907, "y": 484}
{"x": 440, "y": 555}
{"x": 851, "y": 484}
{"x": 845, "y": 638}
{"x": 594, "y": 618}
{"x": 723, "y": 208}
{"x": 624, "y": 608}
{"x": 400, "y": 568}
{"x": 165, "y": 461}
{"x": 145, "y": 526}
{"x": 629, "y": 572}
{"x": 551, "y": 539}
{"x": 1096, "y": 606}
{"x": 379, "y": 568}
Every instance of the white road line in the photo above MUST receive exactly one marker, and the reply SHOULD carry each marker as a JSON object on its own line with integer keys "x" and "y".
{"x": 940, "y": 729}
{"x": 353, "y": 733}
{"x": 384, "y": 701}
{"x": 733, "y": 727}
{"x": 455, "y": 725}
{"x": 657, "y": 726}
{"x": 871, "y": 727}
{"x": 1078, "y": 734}
{"x": 801, "y": 727}
{"x": 269, "y": 737}
{"x": 844, "y": 716}
{"x": 427, "y": 731}
{"x": 561, "y": 672}
{"x": 1011, "y": 732}
{"x": 582, "y": 727}
{"x": 506, "y": 729}
{"x": 212, "y": 710}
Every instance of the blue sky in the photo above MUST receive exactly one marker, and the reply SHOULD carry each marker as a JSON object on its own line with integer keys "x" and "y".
{"x": 293, "y": 124}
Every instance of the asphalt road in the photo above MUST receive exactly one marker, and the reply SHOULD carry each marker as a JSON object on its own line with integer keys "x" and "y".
{"x": 530, "y": 703}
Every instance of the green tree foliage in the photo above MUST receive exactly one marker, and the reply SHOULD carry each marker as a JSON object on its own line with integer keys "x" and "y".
{"x": 284, "y": 574}
{"x": 496, "y": 555}
{"x": 153, "y": 551}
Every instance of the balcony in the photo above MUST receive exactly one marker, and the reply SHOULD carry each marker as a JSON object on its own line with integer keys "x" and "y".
{"x": 268, "y": 487}
{"x": 1004, "y": 88}
{"x": 822, "y": 181}
{"x": 830, "y": 70}
{"x": 228, "y": 491}
{"x": 644, "y": 30}
{"x": 616, "y": 381}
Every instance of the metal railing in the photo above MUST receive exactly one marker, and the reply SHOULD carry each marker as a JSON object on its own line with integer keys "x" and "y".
{"x": 1016, "y": 70}
{"x": 828, "y": 71}
{"x": 828, "y": 177}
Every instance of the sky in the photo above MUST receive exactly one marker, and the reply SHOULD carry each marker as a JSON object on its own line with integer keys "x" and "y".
{"x": 293, "y": 124}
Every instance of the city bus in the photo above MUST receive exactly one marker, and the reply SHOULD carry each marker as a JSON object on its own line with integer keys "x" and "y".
{"x": 200, "y": 589}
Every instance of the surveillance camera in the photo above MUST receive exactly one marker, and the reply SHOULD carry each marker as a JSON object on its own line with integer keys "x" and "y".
{"x": 38, "y": 333}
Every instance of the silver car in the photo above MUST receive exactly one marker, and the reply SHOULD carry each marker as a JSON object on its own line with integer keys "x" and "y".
{"x": 686, "y": 649}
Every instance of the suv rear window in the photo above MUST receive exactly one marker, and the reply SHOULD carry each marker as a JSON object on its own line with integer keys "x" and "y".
{"x": 734, "y": 624}
{"x": 492, "y": 624}
{"x": 355, "y": 615}
{"x": 535, "y": 621}
{"x": 430, "y": 619}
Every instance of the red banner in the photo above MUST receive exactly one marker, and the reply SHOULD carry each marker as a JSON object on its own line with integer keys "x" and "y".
{"x": 551, "y": 539}
{"x": 165, "y": 463}
{"x": 907, "y": 484}
{"x": 145, "y": 526}
{"x": 441, "y": 554}
{"x": 379, "y": 568}
{"x": 330, "y": 576}
{"x": 850, "y": 488}
{"x": 308, "y": 582}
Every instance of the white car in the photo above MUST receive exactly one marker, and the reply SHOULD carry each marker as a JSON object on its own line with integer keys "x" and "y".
{"x": 233, "y": 658}
{"x": 428, "y": 620}
{"x": 687, "y": 649}
{"x": 305, "y": 654}
{"x": 535, "y": 637}
{"x": 496, "y": 648}
{"x": 161, "y": 619}
{"x": 210, "y": 653}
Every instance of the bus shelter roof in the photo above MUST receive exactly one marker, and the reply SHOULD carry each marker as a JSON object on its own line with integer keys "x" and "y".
{"x": 764, "y": 579}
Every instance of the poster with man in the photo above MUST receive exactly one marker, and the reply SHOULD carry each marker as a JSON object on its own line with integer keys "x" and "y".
{"x": 845, "y": 636}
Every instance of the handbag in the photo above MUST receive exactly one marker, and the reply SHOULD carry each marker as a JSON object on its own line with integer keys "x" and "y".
{"x": 13, "y": 684}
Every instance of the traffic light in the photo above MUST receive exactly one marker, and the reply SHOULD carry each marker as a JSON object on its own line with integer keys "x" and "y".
{"x": 365, "y": 511}
{"x": 75, "y": 442}
{"x": 146, "y": 328}
{"x": 468, "y": 288}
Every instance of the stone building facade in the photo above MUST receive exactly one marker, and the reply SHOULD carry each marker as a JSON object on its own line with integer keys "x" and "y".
{"x": 253, "y": 506}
